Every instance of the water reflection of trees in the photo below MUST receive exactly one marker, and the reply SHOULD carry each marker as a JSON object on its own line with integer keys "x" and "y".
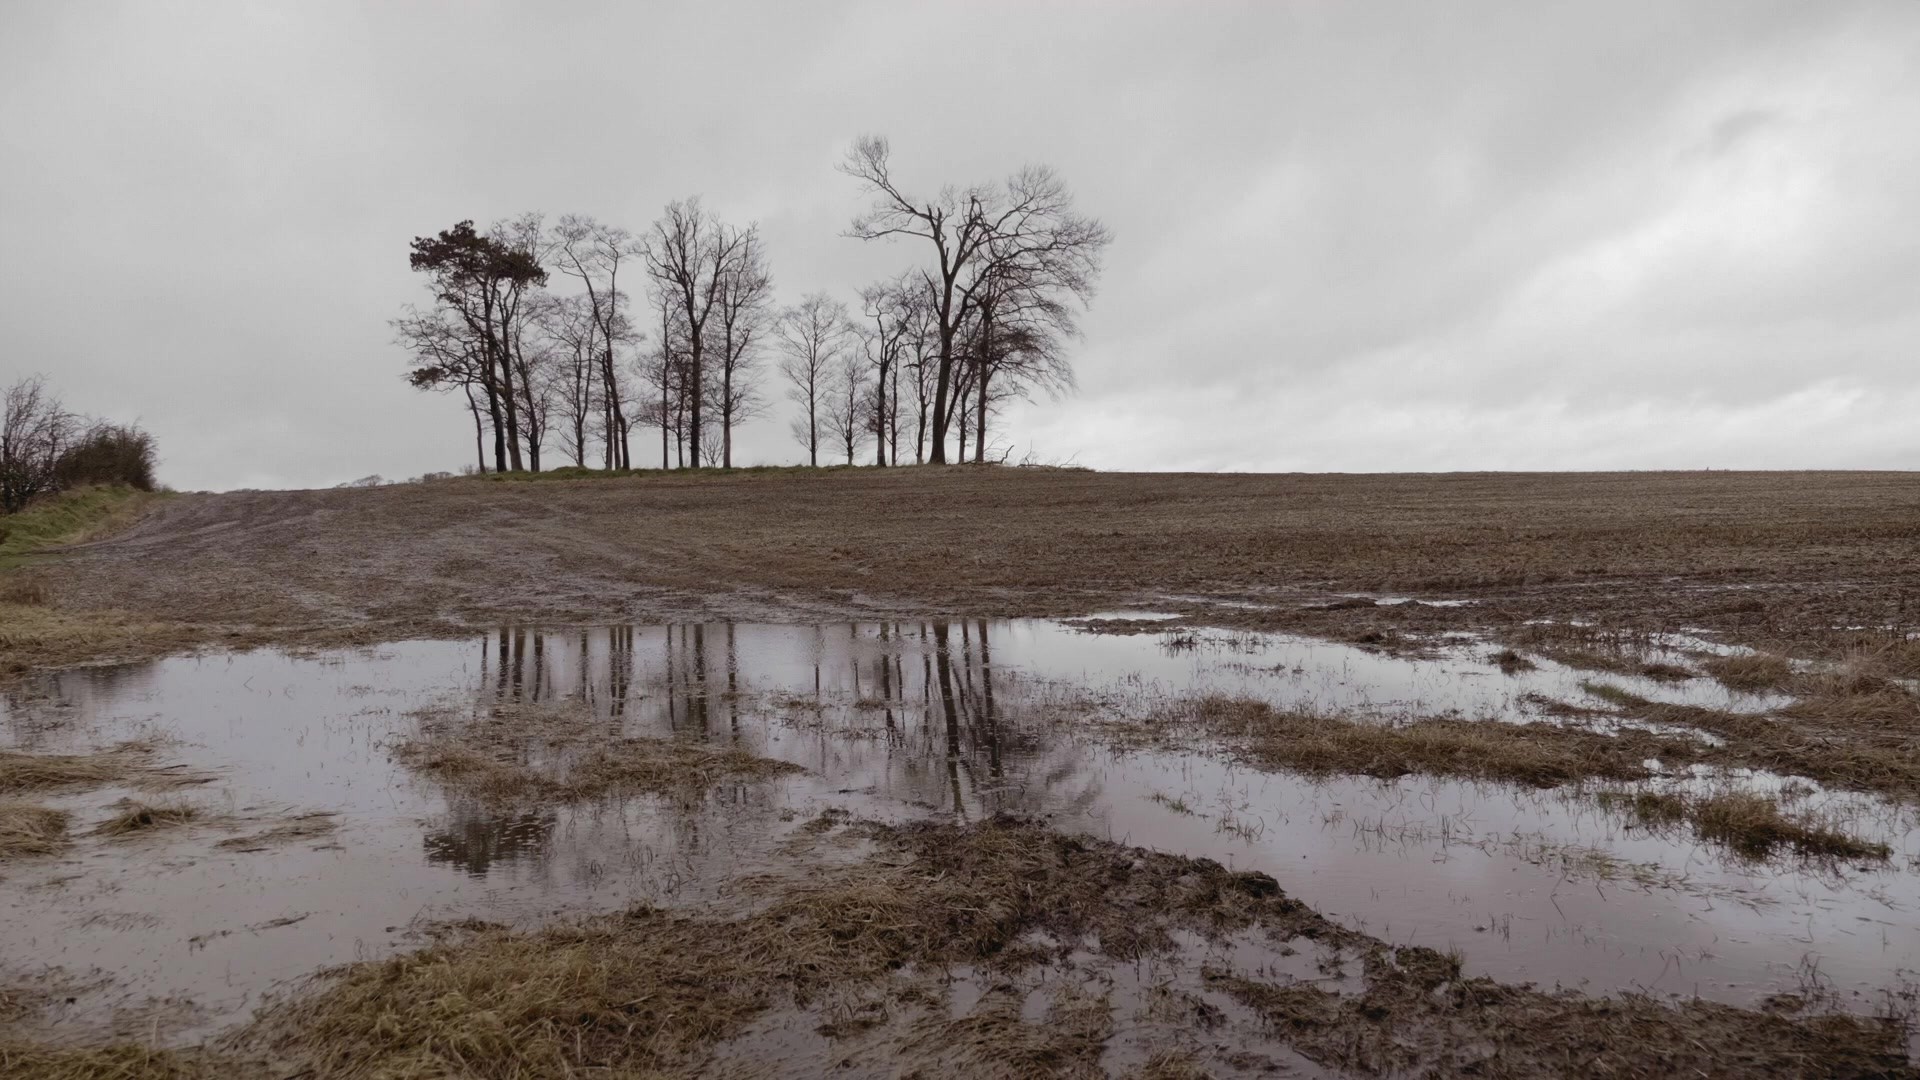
{"x": 473, "y": 838}
{"x": 915, "y": 709}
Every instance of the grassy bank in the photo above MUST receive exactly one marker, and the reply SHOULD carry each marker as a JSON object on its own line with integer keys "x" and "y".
{"x": 34, "y": 630}
{"x": 67, "y": 518}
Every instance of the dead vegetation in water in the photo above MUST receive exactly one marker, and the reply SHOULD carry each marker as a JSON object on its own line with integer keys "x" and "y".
{"x": 1538, "y": 755}
{"x": 27, "y": 829}
{"x": 1749, "y": 823}
{"x": 859, "y": 949}
{"x": 1548, "y": 755}
{"x": 1850, "y": 727}
{"x": 293, "y": 830}
{"x": 133, "y": 818}
{"x": 130, "y": 763}
{"x": 656, "y": 990}
{"x": 512, "y": 754}
{"x": 996, "y": 1041}
{"x": 1419, "y": 1016}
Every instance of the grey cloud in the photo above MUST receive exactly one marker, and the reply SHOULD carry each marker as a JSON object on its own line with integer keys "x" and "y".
{"x": 1379, "y": 236}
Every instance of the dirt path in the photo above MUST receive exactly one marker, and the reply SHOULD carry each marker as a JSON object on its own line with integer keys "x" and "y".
{"x": 1772, "y": 555}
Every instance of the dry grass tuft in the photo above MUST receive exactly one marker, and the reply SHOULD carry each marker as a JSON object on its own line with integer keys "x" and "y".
{"x": 624, "y": 766}
{"x": 1512, "y": 662}
{"x": 1753, "y": 825}
{"x": 120, "y": 1061}
{"x": 1170, "y": 1065}
{"x": 507, "y": 754}
{"x": 128, "y": 763}
{"x": 134, "y": 817}
{"x": 23, "y": 590}
{"x": 26, "y": 829}
{"x": 1753, "y": 672}
{"x": 1540, "y": 755}
{"x": 995, "y": 1041}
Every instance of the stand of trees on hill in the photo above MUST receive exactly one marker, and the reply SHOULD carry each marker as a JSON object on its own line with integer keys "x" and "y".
{"x": 535, "y": 325}
{"x": 45, "y": 448}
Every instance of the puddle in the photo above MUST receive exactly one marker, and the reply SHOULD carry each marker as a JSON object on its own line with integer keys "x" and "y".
{"x": 894, "y": 721}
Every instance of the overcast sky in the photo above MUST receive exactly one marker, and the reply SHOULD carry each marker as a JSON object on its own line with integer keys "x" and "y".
{"x": 1347, "y": 236}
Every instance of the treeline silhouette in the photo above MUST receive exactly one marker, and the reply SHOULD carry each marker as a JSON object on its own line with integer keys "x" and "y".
{"x": 535, "y": 325}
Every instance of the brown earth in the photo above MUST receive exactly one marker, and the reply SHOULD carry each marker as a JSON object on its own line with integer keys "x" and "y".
{"x": 1781, "y": 559}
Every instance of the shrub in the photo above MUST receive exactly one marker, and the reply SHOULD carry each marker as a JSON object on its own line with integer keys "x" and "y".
{"x": 108, "y": 454}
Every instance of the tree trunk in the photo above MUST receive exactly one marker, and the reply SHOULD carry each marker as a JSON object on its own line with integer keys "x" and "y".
{"x": 941, "y": 386}
{"x": 479, "y": 443}
{"x": 893, "y": 418}
{"x": 920, "y": 428}
{"x": 491, "y": 384}
{"x": 880, "y": 419}
{"x": 960, "y": 411}
{"x": 695, "y": 377}
{"x": 726, "y": 411}
{"x": 980, "y": 424}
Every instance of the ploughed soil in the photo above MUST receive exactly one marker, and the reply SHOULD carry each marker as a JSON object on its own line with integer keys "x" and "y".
{"x": 1791, "y": 561}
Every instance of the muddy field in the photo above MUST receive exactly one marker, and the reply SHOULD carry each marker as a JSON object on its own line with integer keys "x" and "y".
{"x": 1765, "y": 556}
{"x": 972, "y": 772}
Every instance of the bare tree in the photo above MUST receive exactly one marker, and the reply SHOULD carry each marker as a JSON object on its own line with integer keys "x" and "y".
{"x": 813, "y": 337}
{"x": 921, "y": 360}
{"x": 594, "y": 253}
{"x": 845, "y": 402}
{"x": 35, "y": 430}
{"x": 663, "y": 371}
{"x": 886, "y": 310}
{"x": 1015, "y": 341}
{"x": 1028, "y": 220}
{"x": 746, "y": 294}
{"x": 689, "y": 255}
{"x": 446, "y": 357}
{"x": 572, "y": 330}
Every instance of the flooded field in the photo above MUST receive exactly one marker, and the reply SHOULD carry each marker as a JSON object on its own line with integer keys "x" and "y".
{"x": 319, "y": 837}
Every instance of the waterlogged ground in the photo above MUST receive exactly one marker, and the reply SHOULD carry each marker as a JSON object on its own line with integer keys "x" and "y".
{"x": 174, "y": 935}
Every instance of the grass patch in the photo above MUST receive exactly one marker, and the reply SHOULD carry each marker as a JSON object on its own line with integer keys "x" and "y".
{"x": 506, "y": 754}
{"x": 1538, "y": 755}
{"x": 26, "y": 829}
{"x": 34, "y": 635}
